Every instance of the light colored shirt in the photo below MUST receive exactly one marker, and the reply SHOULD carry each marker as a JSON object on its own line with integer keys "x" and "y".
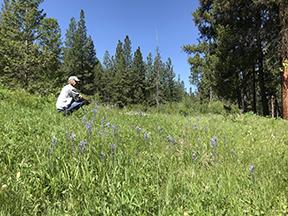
{"x": 67, "y": 94}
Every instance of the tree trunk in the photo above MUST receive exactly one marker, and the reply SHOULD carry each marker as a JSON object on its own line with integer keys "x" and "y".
{"x": 272, "y": 106}
{"x": 283, "y": 13}
{"x": 254, "y": 92}
{"x": 261, "y": 75}
{"x": 285, "y": 90}
{"x": 264, "y": 101}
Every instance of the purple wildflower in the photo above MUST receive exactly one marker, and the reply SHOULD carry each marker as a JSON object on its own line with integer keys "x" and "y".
{"x": 160, "y": 129}
{"x": 84, "y": 120}
{"x": 67, "y": 135}
{"x": 53, "y": 141}
{"x": 213, "y": 142}
{"x": 171, "y": 139}
{"x": 113, "y": 148}
{"x": 252, "y": 169}
{"x": 53, "y": 144}
{"x": 138, "y": 130}
{"x": 73, "y": 137}
{"x": 94, "y": 111}
{"x": 89, "y": 127}
{"x": 102, "y": 155}
{"x": 102, "y": 122}
{"x": 108, "y": 125}
{"x": 194, "y": 156}
{"x": 114, "y": 129}
{"x": 82, "y": 145}
{"x": 146, "y": 136}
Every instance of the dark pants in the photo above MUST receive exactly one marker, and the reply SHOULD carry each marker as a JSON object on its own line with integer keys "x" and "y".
{"x": 75, "y": 105}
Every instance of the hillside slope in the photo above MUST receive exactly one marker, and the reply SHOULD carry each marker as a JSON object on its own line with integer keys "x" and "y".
{"x": 118, "y": 162}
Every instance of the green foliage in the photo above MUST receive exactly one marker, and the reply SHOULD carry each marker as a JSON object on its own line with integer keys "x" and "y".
{"x": 70, "y": 58}
{"x": 107, "y": 161}
{"x": 238, "y": 52}
{"x": 29, "y": 46}
{"x": 138, "y": 78}
{"x": 191, "y": 106}
{"x": 121, "y": 92}
{"x": 80, "y": 55}
{"x": 32, "y": 57}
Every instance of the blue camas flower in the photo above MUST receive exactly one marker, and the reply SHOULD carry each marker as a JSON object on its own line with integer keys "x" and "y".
{"x": 82, "y": 145}
{"x": 252, "y": 169}
{"x": 171, "y": 139}
{"x": 53, "y": 141}
{"x": 73, "y": 137}
{"x": 194, "y": 156}
{"x": 146, "y": 136}
{"x": 138, "y": 130}
{"x": 213, "y": 142}
{"x": 89, "y": 127}
{"x": 113, "y": 148}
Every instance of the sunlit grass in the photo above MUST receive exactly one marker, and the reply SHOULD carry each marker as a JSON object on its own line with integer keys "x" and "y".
{"x": 106, "y": 161}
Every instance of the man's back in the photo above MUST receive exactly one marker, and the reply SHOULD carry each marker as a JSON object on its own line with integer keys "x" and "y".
{"x": 67, "y": 94}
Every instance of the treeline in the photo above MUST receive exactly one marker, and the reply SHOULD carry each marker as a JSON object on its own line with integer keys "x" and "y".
{"x": 242, "y": 55}
{"x": 33, "y": 57}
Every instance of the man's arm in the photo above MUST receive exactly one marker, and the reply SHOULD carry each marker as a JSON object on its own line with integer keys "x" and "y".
{"x": 75, "y": 94}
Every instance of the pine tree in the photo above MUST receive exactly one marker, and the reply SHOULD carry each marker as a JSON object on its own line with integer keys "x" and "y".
{"x": 127, "y": 52}
{"x": 108, "y": 78}
{"x": 23, "y": 30}
{"x": 86, "y": 56}
{"x": 158, "y": 78}
{"x": 80, "y": 55}
{"x": 90, "y": 61}
{"x": 179, "y": 90}
{"x": 99, "y": 82}
{"x": 169, "y": 82}
{"x": 70, "y": 57}
{"x": 219, "y": 67}
{"x": 149, "y": 84}
{"x": 138, "y": 78}
{"x": 50, "y": 46}
{"x": 283, "y": 17}
{"x": 120, "y": 82}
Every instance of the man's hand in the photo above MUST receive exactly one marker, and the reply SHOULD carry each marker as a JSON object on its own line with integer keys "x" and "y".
{"x": 86, "y": 102}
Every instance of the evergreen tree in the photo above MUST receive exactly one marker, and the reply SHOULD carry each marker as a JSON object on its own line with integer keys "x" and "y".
{"x": 27, "y": 57}
{"x": 138, "y": 78}
{"x": 179, "y": 89}
{"x": 237, "y": 58}
{"x": 86, "y": 56}
{"x": 108, "y": 78}
{"x": 149, "y": 85}
{"x": 107, "y": 61}
{"x": 90, "y": 61}
{"x": 158, "y": 78}
{"x": 127, "y": 52}
{"x": 50, "y": 44}
{"x": 169, "y": 82}
{"x": 80, "y": 55}
{"x": 70, "y": 57}
{"x": 121, "y": 84}
{"x": 99, "y": 82}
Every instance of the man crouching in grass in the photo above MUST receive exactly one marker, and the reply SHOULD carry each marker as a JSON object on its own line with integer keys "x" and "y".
{"x": 69, "y": 99}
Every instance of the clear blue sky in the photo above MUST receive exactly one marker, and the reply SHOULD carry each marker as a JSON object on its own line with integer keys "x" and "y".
{"x": 142, "y": 20}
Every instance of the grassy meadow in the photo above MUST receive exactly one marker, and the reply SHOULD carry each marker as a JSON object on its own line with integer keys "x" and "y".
{"x": 106, "y": 161}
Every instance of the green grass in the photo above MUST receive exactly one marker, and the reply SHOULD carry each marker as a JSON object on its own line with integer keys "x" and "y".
{"x": 176, "y": 170}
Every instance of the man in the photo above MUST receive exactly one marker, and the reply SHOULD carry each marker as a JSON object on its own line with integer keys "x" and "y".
{"x": 69, "y": 99}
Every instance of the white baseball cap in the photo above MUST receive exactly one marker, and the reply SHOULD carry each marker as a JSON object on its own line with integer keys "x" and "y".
{"x": 73, "y": 78}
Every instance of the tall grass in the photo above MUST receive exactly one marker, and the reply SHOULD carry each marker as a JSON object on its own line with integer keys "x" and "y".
{"x": 104, "y": 161}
